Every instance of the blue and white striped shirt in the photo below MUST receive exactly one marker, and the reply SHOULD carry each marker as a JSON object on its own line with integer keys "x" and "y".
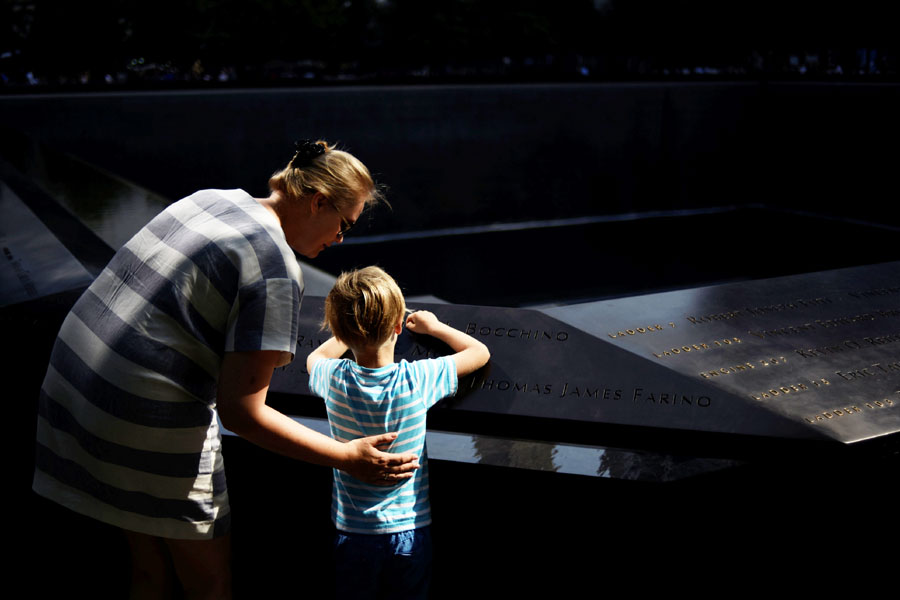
{"x": 362, "y": 402}
{"x": 127, "y": 428}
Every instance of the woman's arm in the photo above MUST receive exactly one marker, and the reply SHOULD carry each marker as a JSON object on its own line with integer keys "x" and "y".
{"x": 243, "y": 384}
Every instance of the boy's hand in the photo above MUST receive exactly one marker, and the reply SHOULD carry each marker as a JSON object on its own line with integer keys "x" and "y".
{"x": 422, "y": 321}
{"x": 375, "y": 467}
{"x": 470, "y": 354}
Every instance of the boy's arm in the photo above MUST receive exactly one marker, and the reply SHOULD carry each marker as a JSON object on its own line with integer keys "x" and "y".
{"x": 470, "y": 355}
{"x": 330, "y": 349}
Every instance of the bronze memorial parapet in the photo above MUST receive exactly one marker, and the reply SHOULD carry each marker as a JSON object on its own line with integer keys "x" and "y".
{"x": 806, "y": 357}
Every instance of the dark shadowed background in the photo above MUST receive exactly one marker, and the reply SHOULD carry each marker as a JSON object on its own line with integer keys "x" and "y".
{"x": 535, "y": 153}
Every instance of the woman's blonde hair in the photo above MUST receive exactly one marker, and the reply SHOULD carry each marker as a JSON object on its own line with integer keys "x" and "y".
{"x": 364, "y": 307}
{"x": 337, "y": 175}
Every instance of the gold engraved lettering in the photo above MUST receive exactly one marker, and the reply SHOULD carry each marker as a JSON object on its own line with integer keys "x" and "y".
{"x": 636, "y": 331}
{"x": 887, "y": 402}
{"x": 773, "y": 361}
{"x": 848, "y": 411}
{"x": 727, "y": 370}
{"x": 696, "y": 347}
{"x": 780, "y": 391}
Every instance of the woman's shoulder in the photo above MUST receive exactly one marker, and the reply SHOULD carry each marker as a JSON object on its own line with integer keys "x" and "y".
{"x": 241, "y": 227}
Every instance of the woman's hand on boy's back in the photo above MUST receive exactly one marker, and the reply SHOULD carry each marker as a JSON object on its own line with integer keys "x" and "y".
{"x": 368, "y": 463}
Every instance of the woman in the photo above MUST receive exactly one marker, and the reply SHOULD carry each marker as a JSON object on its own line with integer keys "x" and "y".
{"x": 190, "y": 317}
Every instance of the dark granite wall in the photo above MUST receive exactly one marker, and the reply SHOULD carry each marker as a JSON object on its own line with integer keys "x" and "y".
{"x": 463, "y": 155}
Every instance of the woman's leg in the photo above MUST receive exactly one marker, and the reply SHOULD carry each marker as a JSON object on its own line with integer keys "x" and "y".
{"x": 203, "y": 567}
{"x": 152, "y": 576}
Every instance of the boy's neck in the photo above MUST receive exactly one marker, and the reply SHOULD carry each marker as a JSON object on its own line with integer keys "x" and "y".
{"x": 375, "y": 357}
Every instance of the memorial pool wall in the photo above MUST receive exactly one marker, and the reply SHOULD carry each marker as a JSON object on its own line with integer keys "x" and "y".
{"x": 465, "y": 155}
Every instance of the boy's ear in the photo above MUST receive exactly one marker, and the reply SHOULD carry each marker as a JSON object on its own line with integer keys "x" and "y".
{"x": 399, "y": 328}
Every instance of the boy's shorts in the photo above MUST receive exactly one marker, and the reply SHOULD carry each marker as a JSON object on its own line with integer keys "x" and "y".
{"x": 390, "y": 565}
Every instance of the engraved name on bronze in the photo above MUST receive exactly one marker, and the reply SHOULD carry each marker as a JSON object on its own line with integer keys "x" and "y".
{"x": 522, "y": 333}
{"x": 674, "y": 399}
{"x": 854, "y": 319}
{"x": 310, "y": 341}
{"x": 817, "y": 324}
{"x": 785, "y": 306}
{"x": 869, "y": 371}
{"x": 722, "y": 316}
{"x": 847, "y": 346}
{"x": 757, "y": 311}
{"x": 885, "y": 291}
{"x": 420, "y": 352}
{"x": 502, "y": 385}
{"x": 636, "y": 395}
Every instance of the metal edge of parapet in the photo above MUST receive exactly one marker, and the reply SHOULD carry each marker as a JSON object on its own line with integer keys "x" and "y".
{"x": 583, "y": 460}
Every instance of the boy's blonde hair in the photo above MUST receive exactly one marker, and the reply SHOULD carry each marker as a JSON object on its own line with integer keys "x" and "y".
{"x": 364, "y": 307}
{"x": 337, "y": 175}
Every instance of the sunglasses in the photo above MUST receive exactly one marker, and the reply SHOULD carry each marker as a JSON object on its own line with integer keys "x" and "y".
{"x": 345, "y": 224}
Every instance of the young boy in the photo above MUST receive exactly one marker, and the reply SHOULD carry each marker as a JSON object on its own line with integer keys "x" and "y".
{"x": 383, "y": 545}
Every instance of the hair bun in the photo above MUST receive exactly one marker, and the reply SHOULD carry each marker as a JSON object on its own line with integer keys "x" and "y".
{"x": 305, "y": 153}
